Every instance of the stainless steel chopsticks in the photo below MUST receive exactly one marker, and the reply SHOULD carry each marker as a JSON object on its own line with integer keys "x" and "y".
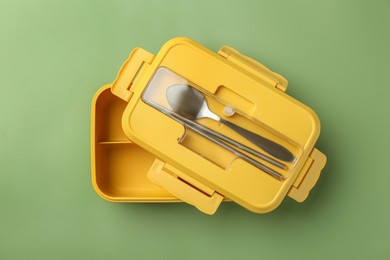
{"x": 213, "y": 136}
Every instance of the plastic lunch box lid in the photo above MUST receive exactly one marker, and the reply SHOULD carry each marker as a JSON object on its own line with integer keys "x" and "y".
{"x": 186, "y": 183}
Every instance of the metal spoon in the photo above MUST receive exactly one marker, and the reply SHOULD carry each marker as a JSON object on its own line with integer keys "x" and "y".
{"x": 188, "y": 102}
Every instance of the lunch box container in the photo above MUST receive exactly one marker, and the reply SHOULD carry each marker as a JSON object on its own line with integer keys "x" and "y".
{"x": 151, "y": 142}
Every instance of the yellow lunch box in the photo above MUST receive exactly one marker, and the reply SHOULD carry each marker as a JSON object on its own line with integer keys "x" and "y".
{"x": 201, "y": 127}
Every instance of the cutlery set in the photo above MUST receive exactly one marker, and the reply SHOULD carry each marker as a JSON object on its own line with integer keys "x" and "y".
{"x": 188, "y": 104}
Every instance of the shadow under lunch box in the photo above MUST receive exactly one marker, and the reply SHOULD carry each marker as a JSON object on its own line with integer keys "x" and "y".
{"x": 153, "y": 139}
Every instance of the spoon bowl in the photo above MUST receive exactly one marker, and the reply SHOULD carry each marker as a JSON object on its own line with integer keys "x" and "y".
{"x": 189, "y": 102}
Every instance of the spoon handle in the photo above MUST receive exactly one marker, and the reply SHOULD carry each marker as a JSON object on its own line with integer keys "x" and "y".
{"x": 267, "y": 145}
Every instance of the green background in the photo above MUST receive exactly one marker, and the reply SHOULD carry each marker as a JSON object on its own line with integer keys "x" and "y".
{"x": 54, "y": 55}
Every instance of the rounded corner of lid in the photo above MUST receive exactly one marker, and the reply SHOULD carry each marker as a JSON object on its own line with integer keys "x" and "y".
{"x": 315, "y": 122}
{"x": 273, "y": 204}
{"x": 177, "y": 41}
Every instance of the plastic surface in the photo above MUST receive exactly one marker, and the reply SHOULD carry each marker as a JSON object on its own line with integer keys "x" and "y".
{"x": 119, "y": 167}
{"x": 225, "y": 79}
{"x": 184, "y": 187}
{"x": 308, "y": 177}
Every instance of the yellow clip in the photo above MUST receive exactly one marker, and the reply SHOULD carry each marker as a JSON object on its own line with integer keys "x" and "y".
{"x": 308, "y": 176}
{"x": 254, "y": 67}
{"x": 128, "y": 72}
{"x": 165, "y": 175}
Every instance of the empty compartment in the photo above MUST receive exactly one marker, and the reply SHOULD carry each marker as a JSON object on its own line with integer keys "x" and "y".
{"x": 108, "y": 115}
{"x": 121, "y": 173}
{"x": 120, "y": 166}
